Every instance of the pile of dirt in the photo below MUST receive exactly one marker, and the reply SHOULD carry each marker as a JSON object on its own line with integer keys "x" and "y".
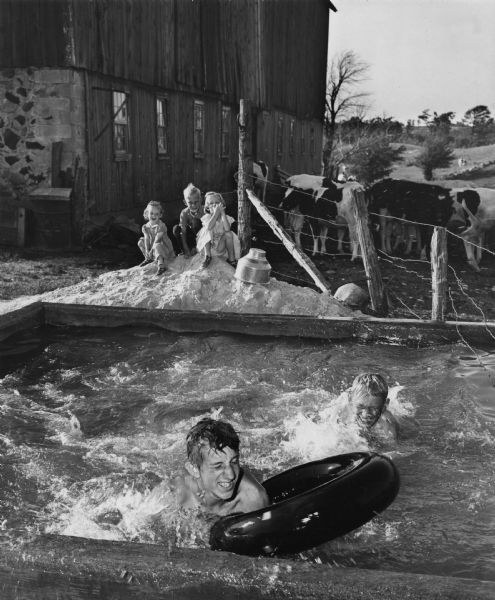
{"x": 185, "y": 286}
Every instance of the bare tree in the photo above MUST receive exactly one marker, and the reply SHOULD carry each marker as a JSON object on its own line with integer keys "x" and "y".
{"x": 346, "y": 72}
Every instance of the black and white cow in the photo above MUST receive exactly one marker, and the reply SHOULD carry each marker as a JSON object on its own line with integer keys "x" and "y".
{"x": 479, "y": 206}
{"x": 321, "y": 202}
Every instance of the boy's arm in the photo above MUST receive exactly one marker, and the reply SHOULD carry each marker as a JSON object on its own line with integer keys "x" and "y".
{"x": 183, "y": 232}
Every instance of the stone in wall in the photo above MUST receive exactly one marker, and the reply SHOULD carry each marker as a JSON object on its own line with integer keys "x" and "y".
{"x": 39, "y": 107}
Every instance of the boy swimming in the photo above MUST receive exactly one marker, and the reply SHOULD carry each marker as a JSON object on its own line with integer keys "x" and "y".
{"x": 214, "y": 479}
{"x": 368, "y": 401}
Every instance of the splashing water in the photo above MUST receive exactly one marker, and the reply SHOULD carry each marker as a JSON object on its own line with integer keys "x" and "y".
{"x": 91, "y": 433}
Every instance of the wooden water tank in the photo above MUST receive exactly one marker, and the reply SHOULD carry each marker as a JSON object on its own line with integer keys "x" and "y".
{"x": 49, "y": 222}
{"x": 12, "y": 222}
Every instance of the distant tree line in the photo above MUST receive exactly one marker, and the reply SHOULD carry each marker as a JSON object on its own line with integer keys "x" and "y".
{"x": 369, "y": 147}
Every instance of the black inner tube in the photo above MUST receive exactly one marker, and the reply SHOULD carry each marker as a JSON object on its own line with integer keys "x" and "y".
{"x": 311, "y": 504}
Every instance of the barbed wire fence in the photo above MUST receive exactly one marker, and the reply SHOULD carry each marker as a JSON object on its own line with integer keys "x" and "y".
{"x": 415, "y": 267}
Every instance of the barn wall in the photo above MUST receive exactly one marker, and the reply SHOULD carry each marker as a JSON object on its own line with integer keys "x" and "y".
{"x": 272, "y": 52}
{"x": 127, "y": 185}
{"x": 40, "y": 107}
{"x": 35, "y": 33}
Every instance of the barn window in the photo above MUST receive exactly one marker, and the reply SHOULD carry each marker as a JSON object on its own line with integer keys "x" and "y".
{"x": 199, "y": 128}
{"x": 292, "y": 136}
{"x": 121, "y": 145}
{"x": 312, "y": 145}
{"x": 303, "y": 142}
{"x": 280, "y": 135}
{"x": 225, "y": 132}
{"x": 162, "y": 121}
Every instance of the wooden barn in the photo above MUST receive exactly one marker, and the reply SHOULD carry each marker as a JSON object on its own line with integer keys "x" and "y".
{"x": 142, "y": 96}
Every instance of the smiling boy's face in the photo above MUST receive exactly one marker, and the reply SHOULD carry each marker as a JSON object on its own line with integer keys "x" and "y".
{"x": 193, "y": 202}
{"x": 368, "y": 409}
{"x": 219, "y": 472}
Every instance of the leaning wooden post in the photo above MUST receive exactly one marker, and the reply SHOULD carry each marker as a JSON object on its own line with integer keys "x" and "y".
{"x": 244, "y": 178}
{"x": 439, "y": 265}
{"x": 370, "y": 259}
{"x": 305, "y": 262}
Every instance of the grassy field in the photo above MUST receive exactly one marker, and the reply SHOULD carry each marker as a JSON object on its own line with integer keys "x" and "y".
{"x": 474, "y": 156}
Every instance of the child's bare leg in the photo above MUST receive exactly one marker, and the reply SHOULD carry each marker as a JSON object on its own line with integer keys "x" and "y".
{"x": 226, "y": 242}
{"x": 207, "y": 255}
{"x": 229, "y": 243}
{"x": 142, "y": 246}
{"x": 159, "y": 252}
{"x": 207, "y": 249}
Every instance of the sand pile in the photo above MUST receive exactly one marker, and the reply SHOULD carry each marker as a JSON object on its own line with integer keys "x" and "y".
{"x": 185, "y": 286}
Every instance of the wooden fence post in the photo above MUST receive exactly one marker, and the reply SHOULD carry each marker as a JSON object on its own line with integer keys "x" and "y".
{"x": 370, "y": 259}
{"x": 439, "y": 264}
{"x": 305, "y": 262}
{"x": 244, "y": 177}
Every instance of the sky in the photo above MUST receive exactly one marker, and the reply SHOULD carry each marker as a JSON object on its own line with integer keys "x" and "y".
{"x": 436, "y": 54}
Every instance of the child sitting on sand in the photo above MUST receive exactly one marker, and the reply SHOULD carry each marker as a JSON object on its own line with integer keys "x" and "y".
{"x": 215, "y": 237}
{"x": 367, "y": 405}
{"x": 155, "y": 243}
{"x": 189, "y": 221}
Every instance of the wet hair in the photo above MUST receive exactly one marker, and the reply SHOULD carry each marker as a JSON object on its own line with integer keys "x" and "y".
{"x": 370, "y": 383}
{"x": 209, "y": 195}
{"x": 152, "y": 204}
{"x": 214, "y": 434}
{"x": 191, "y": 190}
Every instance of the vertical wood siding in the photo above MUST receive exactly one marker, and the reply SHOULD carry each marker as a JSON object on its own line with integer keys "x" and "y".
{"x": 33, "y": 33}
{"x": 272, "y": 52}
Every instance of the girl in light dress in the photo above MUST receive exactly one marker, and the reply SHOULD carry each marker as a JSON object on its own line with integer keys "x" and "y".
{"x": 155, "y": 243}
{"x": 215, "y": 237}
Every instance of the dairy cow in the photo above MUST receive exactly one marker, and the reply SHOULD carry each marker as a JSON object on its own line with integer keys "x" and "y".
{"x": 419, "y": 205}
{"x": 321, "y": 202}
{"x": 479, "y": 206}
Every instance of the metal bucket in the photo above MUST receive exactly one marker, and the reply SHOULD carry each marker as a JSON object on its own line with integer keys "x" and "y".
{"x": 253, "y": 268}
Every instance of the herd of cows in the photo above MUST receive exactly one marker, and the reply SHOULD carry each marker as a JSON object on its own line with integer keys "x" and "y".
{"x": 402, "y": 212}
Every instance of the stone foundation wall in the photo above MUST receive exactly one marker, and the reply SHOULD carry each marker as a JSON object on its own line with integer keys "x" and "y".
{"x": 39, "y": 107}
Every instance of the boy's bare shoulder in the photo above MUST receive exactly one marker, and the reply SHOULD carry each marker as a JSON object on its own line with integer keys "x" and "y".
{"x": 252, "y": 492}
{"x": 388, "y": 425}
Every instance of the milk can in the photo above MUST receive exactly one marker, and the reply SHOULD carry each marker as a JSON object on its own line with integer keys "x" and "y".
{"x": 253, "y": 268}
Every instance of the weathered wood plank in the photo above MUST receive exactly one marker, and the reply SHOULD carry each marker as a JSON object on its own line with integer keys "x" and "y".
{"x": 411, "y": 332}
{"x": 300, "y": 257}
{"x": 21, "y": 319}
{"x": 78, "y": 568}
{"x": 370, "y": 259}
{"x": 439, "y": 266}
{"x": 244, "y": 176}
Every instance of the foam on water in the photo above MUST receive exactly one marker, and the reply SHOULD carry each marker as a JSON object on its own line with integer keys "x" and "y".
{"x": 91, "y": 433}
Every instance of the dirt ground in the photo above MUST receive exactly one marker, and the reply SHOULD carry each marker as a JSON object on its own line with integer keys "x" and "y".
{"x": 408, "y": 283}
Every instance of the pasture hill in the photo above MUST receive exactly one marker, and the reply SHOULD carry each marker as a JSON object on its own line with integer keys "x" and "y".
{"x": 407, "y": 279}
